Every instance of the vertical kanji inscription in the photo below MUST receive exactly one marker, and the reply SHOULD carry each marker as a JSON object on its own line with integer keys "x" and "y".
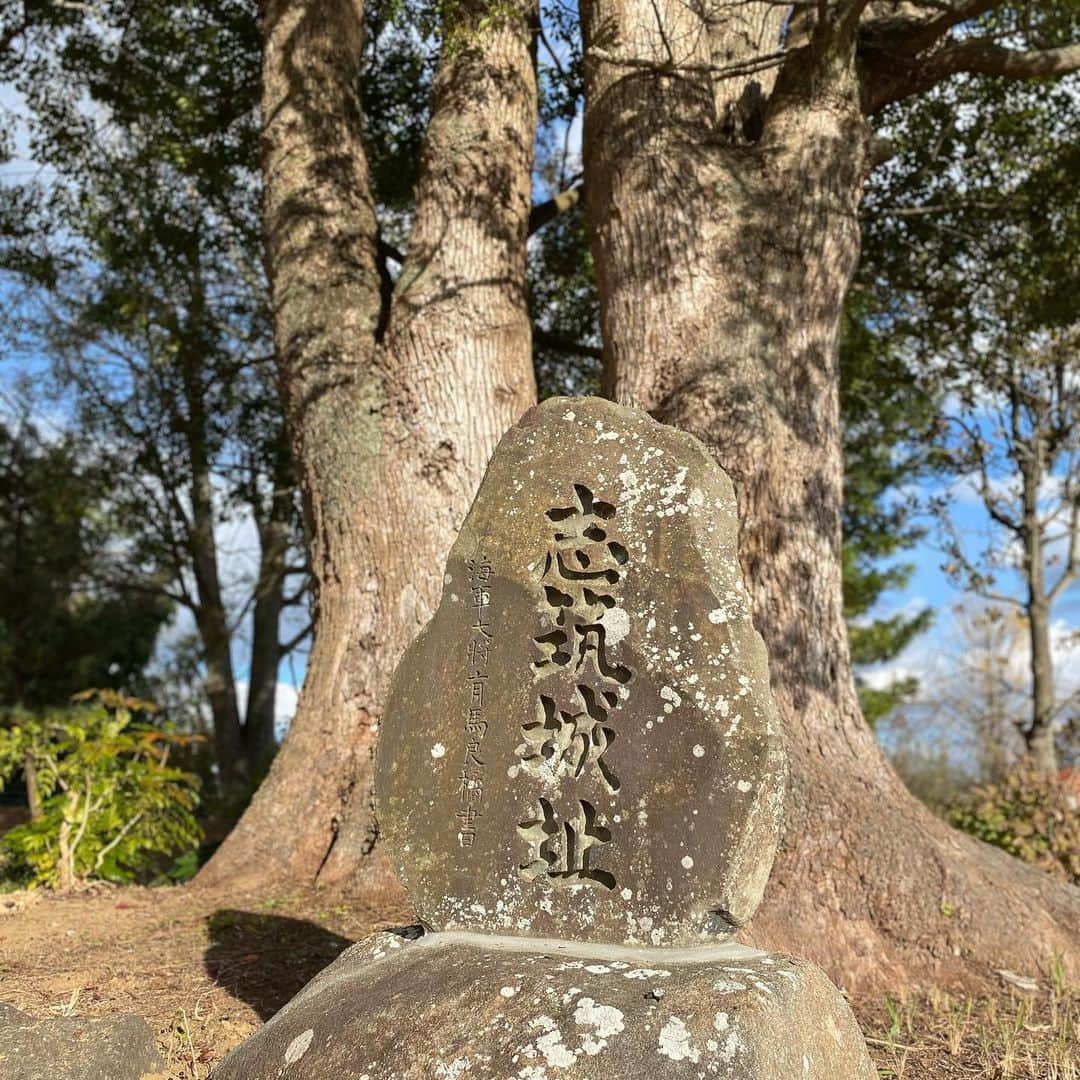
{"x": 572, "y": 731}
{"x": 470, "y": 781}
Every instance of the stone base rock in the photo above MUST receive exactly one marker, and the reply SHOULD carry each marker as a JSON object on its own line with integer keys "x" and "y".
{"x": 478, "y": 1007}
{"x": 76, "y": 1048}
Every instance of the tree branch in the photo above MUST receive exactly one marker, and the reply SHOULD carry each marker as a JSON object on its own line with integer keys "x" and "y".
{"x": 547, "y": 340}
{"x": 128, "y": 826}
{"x": 979, "y": 56}
{"x": 748, "y": 66}
{"x": 909, "y": 33}
{"x": 1068, "y": 573}
{"x": 287, "y": 647}
{"x": 546, "y": 212}
{"x": 892, "y": 72}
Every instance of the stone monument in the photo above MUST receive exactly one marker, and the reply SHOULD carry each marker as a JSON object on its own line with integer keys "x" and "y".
{"x": 579, "y": 782}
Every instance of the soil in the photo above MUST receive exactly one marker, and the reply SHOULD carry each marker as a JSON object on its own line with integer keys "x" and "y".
{"x": 206, "y": 968}
{"x": 203, "y": 969}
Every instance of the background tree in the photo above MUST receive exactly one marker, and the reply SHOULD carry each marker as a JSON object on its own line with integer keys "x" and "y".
{"x": 977, "y": 276}
{"x": 144, "y": 288}
{"x": 62, "y": 629}
{"x": 725, "y": 151}
{"x": 964, "y": 726}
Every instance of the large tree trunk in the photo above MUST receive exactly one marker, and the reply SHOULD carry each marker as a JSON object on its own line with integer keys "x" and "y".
{"x": 395, "y": 395}
{"x": 725, "y": 231}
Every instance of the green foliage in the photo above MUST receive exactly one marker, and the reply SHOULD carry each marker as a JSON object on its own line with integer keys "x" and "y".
{"x": 140, "y": 298}
{"x": 1028, "y": 814}
{"x": 563, "y": 305}
{"x": 105, "y": 801}
{"x": 972, "y": 226}
{"x": 889, "y": 417}
{"x": 61, "y": 626}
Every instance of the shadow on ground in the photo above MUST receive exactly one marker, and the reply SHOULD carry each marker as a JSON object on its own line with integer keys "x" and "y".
{"x": 265, "y": 959}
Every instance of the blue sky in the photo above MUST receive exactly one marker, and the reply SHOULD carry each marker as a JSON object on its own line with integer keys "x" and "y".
{"x": 929, "y": 585}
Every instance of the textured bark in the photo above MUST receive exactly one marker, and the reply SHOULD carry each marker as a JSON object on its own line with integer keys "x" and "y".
{"x": 274, "y": 536}
{"x": 395, "y": 398}
{"x": 33, "y": 793}
{"x": 213, "y": 626}
{"x": 725, "y": 231}
{"x": 1039, "y": 738}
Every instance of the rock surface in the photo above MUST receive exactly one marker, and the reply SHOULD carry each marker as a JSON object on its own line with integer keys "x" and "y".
{"x": 74, "y": 1048}
{"x": 579, "y": 779}
{"x": 582, "y": 741}
{"x": 475, "y": 1007}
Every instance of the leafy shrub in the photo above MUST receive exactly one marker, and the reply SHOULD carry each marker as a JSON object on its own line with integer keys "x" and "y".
{"x": 104, "y": 801}
{"x": 1030, "y": 815}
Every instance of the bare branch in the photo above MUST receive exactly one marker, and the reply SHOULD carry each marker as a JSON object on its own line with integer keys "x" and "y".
{"x": 546, "y": 212}
{"x": 127, "y": 827}
{"x": 749, "y": 66}
{"x": 991, "y": 503}
{"x": 548, "y": 340}
{"x": 1068, "y": 573}
{"x": 979, "y": 56}
{"x": 287, "y": 647}
{"x": 892, "y": 72}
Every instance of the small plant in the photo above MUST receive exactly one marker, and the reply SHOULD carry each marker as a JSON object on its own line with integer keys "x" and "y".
{"x": 104, "y": 801}
{"x": 1029, "y": 815}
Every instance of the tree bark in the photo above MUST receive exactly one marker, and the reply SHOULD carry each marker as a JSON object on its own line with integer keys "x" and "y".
{"x": 1039, "y": 737}
{"x": 266, "y": 650}
{"x": 33, "y": 793}
{"x": 213, "y": 626}
{"x": 394, "y": 405}
{"x": 725, "y": 225}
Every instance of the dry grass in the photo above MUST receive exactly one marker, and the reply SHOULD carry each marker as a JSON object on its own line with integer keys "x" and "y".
{"x": 1010, "y": 1036}
{"x": 205, "y": 970}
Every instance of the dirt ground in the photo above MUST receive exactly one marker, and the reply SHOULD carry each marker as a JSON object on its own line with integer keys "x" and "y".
{"x": 205, "y": 971}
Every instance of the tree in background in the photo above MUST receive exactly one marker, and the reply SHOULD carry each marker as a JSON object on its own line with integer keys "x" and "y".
{"x": 889, "y": 418}
{"x": 978, "y": 280}
{"x": 964, "y": 727}
{"x": 143, "y": 286}
{"x": 1023, "y": 456}
{"x": 725, "y": 152}
{"x": 62, "y": 628}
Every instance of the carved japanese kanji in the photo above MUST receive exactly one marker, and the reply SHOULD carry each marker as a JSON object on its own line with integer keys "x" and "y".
{"x": 562, "y": 854}
{"x": 569, "y": 739}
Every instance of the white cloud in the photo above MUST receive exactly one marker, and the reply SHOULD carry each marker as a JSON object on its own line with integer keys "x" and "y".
{"x": 285, "y": 698}
{"x": 937, "y": 658}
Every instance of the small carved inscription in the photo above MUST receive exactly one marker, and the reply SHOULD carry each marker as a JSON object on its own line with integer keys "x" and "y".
{"x": 569, "y": 738}
{"x": 477, "y": 656}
